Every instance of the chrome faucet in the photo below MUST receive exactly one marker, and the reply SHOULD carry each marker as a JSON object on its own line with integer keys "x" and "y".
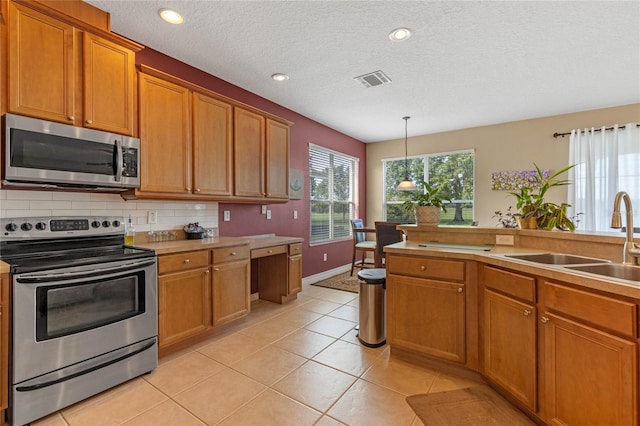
{"x": 631, "y": 251}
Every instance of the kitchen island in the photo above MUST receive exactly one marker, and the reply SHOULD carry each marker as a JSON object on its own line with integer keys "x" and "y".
{"x": 559, "y": 343}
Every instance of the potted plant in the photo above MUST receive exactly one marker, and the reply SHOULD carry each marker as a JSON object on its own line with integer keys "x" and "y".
{"x": 426, "y": 204}
{"x": 535, "y": 211}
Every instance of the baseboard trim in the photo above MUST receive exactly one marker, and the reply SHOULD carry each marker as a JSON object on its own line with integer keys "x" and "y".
{"x": 326, "y": 274}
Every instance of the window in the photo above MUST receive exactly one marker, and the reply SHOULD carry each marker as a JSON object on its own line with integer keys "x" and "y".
{"x": 453, "y": 170}
{"x": 332, "y": 194}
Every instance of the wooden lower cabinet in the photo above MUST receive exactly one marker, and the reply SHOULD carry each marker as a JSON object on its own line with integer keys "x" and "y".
{"x": 426, "y": 316}
{"x": 509, "y": 347}
{"x": 590, "y": 376}
{"x": 4, "y": 344}
{"x": 231, "y": 289}
{"x": 184, "y": 305}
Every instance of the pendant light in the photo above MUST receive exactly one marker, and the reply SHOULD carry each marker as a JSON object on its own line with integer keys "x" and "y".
{"x": 407, "y": 184}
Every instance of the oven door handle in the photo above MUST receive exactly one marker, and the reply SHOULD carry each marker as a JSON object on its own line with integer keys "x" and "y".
{"x": 68, "y": 276}
{"x": 88, "y": 370}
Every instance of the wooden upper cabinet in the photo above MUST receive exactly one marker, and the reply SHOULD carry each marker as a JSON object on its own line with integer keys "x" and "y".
{"x": 165, "y": 138}
{"x": 212, "y": 146}
{"x": 249, "y": 145}
{"x": 277, "y": 160}
{"x": 55, "y": 77}
{"x": 109, "y": 85}
{"x": 41, "y": 69}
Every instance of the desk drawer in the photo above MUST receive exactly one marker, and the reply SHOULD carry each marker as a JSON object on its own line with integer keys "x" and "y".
{"x": 421, "y": 267}
{"x": 268, "y": 251}
{"x": 182, "y": 261}
{"x": 228, "y": 254}
{"x": 295, "y": 249}
{"x": 612, "y": 314}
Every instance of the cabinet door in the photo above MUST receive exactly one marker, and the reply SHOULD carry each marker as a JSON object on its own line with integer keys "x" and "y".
{"x": 165, "y": 144}
{"x": 231, "y": 288}
{"x": 41, "y": 65}
{"x": 249, "y": 154}
{"x": 427, "y": 316}
{"x": 109, "y": 85}
{"x": 184, "y": 307}
{"x": 212, "y": 145}
{"x": 591, "y": 377}
{"x": 294, "y": 280}
{"x": 4, "y": 341}
{"x": 510, "y": 346}
{"x": 277, "y": 160}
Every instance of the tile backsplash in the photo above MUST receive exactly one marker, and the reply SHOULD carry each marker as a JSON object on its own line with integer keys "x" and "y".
{"x": 171, "y": 214}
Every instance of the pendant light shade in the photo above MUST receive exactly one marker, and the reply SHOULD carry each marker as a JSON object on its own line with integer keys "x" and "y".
{"x": 407, "y": 184}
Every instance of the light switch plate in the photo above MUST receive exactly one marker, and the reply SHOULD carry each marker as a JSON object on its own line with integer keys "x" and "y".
{"x": 227, "y": 216}
{"x": 152, "y": 217}
{"x": 295, "y": 214}
{"x": 268, "y": 214}
{"x": 264, "y": 209}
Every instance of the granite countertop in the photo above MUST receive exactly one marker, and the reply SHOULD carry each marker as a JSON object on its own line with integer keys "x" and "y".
{"x": 254, "y": 242}
{"x": 496, "y": 257}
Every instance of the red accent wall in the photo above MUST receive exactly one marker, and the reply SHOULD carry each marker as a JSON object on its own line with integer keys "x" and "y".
{"x": 246, "y": 219}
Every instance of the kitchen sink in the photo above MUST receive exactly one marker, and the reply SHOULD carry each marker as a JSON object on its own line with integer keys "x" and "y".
{"x": 556, "y": 258}
{"x": 612, "y": 270}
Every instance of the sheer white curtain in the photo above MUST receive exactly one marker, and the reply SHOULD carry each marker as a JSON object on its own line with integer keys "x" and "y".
{"x": 607, "y": 161}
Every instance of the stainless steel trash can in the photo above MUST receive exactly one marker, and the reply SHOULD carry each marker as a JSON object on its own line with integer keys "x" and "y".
{"x": 372, "y": 330}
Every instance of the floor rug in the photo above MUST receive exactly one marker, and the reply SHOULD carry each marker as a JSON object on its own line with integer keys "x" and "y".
{"x": 477, "y": 405}
{"x": 343, "y": 282}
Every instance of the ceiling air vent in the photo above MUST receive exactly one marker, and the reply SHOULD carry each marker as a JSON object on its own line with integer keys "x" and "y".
{"x": 372, "y": 79}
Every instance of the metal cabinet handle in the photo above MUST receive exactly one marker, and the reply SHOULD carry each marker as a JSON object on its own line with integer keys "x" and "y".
{"x": 71, "y": 118}
{"x": 216, "y": 269}
{"x": 544, "y": 320}
{"x": 206, "y": 272}
{"x": 233, "y": 253}
{"x": 186, "y": 261}
{"x": 89, "y": 121}
{"x": 526, "y": 312}
{"x": 269, "y": 251}
{"x": 422, "y": 268}
{"x": 197, "y": 189}
{"x": 459, "y": 289}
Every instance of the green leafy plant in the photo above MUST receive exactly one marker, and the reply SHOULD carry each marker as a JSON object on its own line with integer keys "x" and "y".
{"x": 431, "y": 196}
{"x": 531, "y": 202}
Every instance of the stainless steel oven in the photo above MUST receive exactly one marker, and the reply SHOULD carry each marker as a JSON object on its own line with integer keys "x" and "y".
{"x": 84, "y": 311}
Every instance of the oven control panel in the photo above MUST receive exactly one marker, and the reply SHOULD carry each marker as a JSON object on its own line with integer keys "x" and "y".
{"x": 53, "y": 227}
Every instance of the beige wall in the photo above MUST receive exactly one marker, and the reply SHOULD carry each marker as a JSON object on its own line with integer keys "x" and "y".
{"x": 501, "y": 147}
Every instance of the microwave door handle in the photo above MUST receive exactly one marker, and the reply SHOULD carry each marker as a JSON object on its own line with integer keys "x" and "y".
{"x": 119, "y": 157}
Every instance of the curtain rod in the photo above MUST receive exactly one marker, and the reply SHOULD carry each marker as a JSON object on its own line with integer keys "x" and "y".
{"x": 556, "y": 134}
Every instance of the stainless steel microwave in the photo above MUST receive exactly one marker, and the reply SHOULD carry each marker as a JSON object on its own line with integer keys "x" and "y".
{"x": 49, "y": 155}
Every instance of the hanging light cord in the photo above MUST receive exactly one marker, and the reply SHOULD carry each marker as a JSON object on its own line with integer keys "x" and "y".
{"x": 406, "y": 163}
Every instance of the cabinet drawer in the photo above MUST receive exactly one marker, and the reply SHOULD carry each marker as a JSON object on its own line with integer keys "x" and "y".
{"x": 295, "y": 249}
{"x": 182, "y": 261}
{"x": 450, "y": 270}
{"x": 268, "y": 251}
{"x": 228, "y": 254}
{"x": 512, "y": 284}
{"x": 615, "y": 315}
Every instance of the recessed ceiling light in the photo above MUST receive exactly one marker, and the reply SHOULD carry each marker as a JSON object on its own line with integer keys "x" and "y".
{"x": 400, "y": 34}
{"x": 280, "y": 77}
{"x": 171, "y": 16}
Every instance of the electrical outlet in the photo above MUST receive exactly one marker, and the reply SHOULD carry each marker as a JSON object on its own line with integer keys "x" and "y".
{"x": 295, "y": 214}
{"x": 264, "y": 209}
{"x": 268, "y": 214}
{"x": 504, "y": 240}
{"x": 324, "y": 257}
{"x": 152, "y": 217}
{"x": 227, "y": 216}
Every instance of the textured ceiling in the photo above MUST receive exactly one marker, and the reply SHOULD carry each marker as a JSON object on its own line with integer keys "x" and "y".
{"x": 468, "y": 63}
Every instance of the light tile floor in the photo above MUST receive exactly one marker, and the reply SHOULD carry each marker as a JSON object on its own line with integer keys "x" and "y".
{"x": 297, "y": 364}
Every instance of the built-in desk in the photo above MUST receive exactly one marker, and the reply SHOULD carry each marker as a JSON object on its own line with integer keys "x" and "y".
{"x": 276, "y": 268}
